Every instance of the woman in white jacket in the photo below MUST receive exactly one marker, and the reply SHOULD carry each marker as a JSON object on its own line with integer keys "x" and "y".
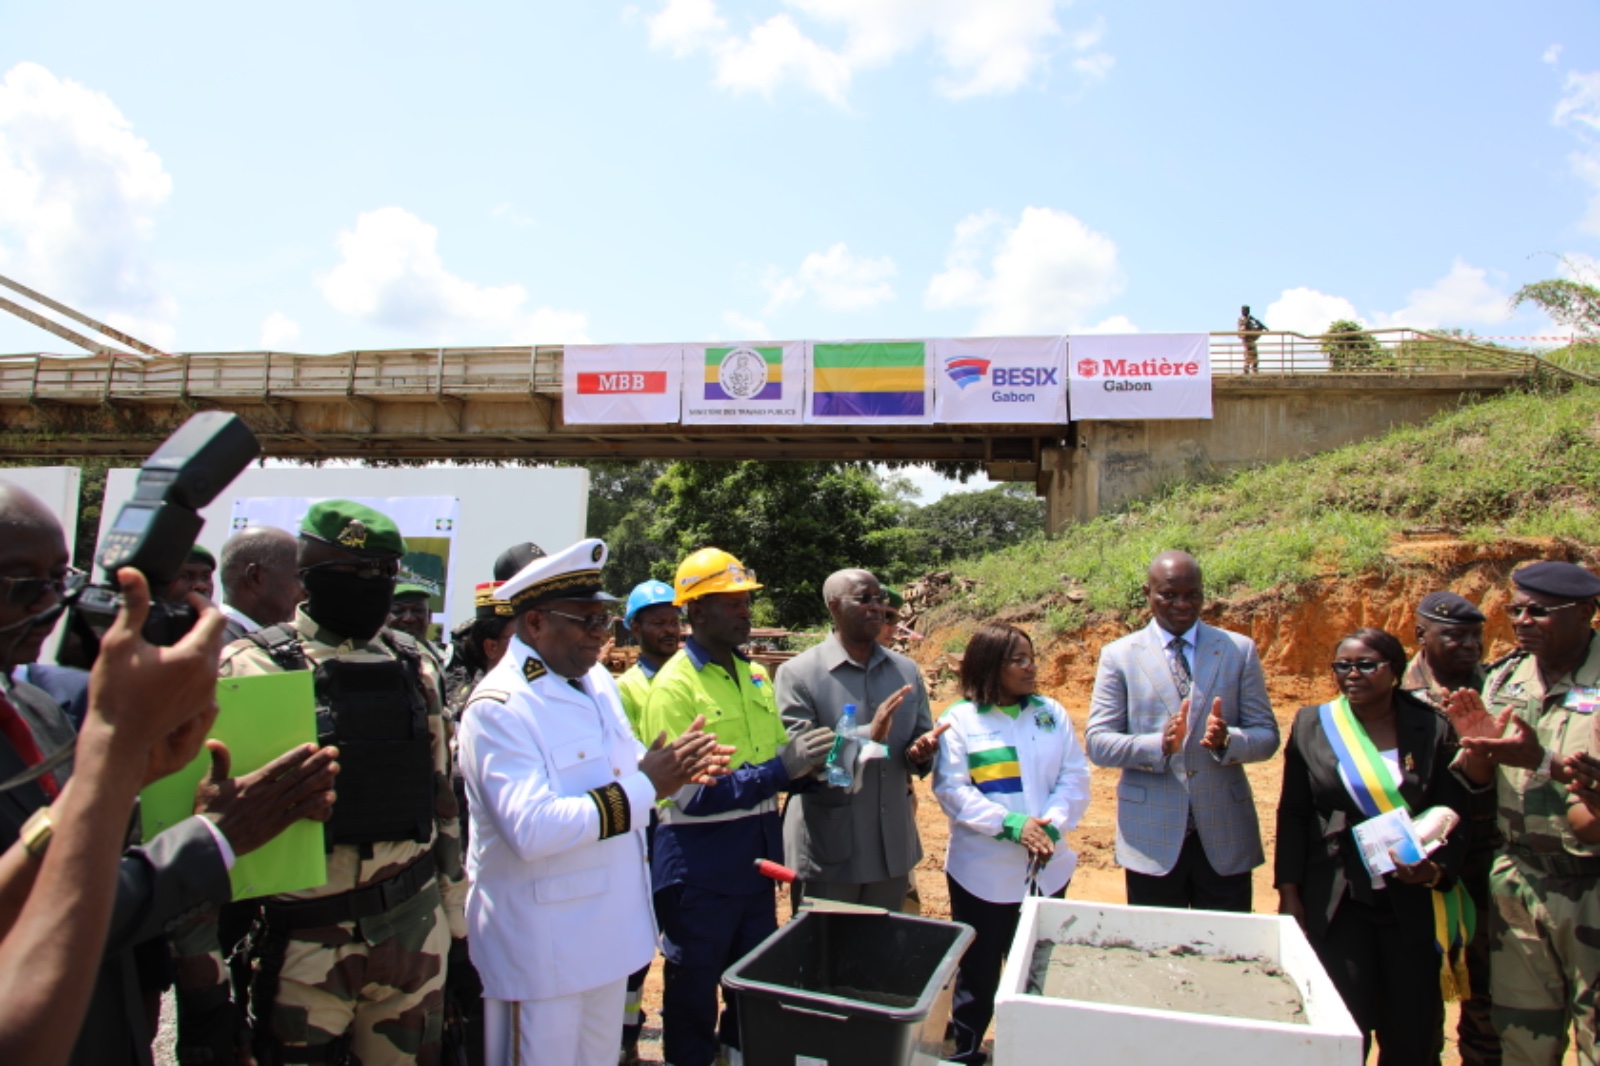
{"x": 1012, "y": 778}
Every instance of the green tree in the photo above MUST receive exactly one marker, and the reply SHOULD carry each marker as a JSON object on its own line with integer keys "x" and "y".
{"x": 1349, "y": 346}
{"x": 793, "y": 523}
{"x": 965, "y": 524}
{"x": 1574, "y": 304}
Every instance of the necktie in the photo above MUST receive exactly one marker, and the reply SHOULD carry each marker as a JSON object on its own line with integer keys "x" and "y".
{"x": 1180, "y": 667}
{"x": 17, "y": 732}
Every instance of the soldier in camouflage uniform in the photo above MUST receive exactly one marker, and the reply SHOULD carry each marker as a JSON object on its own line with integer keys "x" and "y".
{"x": 1546, "y": 917}
{"x": 354, "y": 971}
{"x": 1449, "y": 657}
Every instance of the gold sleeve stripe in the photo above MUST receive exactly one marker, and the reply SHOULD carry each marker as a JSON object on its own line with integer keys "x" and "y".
{"x": 615, "y": 816}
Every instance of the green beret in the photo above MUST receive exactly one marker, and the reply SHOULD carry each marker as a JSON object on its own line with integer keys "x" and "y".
{"x": 355, "y": 528}
{"x": 407, "y": 591}
{"x": 197, "y": 554}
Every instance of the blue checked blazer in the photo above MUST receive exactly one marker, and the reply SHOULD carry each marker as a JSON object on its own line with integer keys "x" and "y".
{"x": 1134, "y": 694}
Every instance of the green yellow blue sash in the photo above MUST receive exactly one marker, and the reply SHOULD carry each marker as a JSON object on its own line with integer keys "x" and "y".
{"x": 1372, "y": 787}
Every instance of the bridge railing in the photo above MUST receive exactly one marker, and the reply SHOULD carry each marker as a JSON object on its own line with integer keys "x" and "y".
{"x": 418, "y": 373}
{"x": 1383, "y": 351}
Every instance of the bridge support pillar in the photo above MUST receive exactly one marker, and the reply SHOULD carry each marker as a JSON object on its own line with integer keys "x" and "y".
{"x": 1069, "y": 481}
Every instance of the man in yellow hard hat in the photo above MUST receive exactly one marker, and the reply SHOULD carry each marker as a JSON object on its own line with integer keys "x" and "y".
{"x": 712, "y": 906}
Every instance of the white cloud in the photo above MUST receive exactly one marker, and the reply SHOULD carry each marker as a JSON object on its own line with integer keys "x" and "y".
{"x": 1462, "y": 297}
{"x": 1307, "y": 311}
{"x": 1579, "y": 107}
{"x": 1114, "y": 324}
{"x": 390, "y": 274}
{"x": 278, "y": 330}
{"x": 1044, "y": 274}
{"x": 1552, "y": 55}
{"x": 991, "y": 48}
{"x": 839, "y": 279}
{"x": 745, "y": 328}
{"x": 79, "y": 194}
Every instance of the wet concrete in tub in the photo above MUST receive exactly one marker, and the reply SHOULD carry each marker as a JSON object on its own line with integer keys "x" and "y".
{"x": 1179, "y": 978}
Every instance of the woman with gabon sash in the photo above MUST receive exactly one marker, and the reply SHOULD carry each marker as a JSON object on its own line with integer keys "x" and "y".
{"x": 1390, "y": 942}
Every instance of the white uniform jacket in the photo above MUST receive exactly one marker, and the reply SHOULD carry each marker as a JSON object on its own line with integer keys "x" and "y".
{"x": 991, "y": 765}
{"x": 559, "y": 901}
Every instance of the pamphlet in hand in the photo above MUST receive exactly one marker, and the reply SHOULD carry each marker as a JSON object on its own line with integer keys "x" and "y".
{"x": 1392, "y": 830}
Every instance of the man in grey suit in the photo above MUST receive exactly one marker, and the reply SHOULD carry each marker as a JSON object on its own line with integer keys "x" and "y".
{"x": 1179, "y": 707}
{"x": 857, "y": 845}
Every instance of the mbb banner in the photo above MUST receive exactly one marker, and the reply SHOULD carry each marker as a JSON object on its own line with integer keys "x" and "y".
{"x": 621, "y": 384}
{"x": 753, "y": 384}
{"x": 1140, "y": 376}
{"x": 1001, "y": 380}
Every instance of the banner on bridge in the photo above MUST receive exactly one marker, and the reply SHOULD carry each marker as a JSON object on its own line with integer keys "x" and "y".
{"x": 870, "y": 382}
{"x": 1141, "y": 376}
{"x": 1001, "y": 379}
{"x": 621, "y": 384}
{"x": 752, "y": 384}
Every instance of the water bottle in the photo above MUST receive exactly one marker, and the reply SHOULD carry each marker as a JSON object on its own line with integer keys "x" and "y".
{"x": 838, "y": 774}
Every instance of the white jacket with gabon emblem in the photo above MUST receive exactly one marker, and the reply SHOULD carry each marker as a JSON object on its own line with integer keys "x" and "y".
{"x": 553, "y": 909}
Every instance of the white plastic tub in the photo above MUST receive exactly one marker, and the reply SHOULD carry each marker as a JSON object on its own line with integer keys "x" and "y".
{"x": 1031, "y": 1030}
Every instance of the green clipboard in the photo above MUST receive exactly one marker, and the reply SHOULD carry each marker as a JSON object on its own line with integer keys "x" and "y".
{"x": 259, "y": 718}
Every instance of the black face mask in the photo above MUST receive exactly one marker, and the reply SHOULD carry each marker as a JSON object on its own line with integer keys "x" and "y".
{"x": 353, "y": 607}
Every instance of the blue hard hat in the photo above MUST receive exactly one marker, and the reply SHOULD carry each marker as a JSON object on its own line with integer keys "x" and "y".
{"x": 647, "y": 594}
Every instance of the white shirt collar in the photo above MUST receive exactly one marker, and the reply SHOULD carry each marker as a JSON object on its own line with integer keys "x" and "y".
{"x": 249, "y": 624}
{"x": 1190, "y": 636}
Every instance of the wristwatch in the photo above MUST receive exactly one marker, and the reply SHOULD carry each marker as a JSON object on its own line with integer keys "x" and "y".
{"x": 1542, "y": 774}
{"x": 37, "y": 831}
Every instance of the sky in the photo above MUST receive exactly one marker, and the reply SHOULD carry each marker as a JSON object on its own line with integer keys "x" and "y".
{"x": 322, "y": 177}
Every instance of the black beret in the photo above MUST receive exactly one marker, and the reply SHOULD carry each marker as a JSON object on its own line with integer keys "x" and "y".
{"x": 1448, "y": 607}
{"x": 1563, "y": 580}
{"x": 514, "y": 558}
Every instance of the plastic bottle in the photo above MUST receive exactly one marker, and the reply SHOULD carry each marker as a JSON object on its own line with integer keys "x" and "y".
{"x": 838, "y": 774}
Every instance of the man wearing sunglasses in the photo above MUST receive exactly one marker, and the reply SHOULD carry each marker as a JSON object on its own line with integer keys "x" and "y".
{"x": 1523, "y": 737}
{"x": 357, "y": 966}
{"x": 560, "y": 791}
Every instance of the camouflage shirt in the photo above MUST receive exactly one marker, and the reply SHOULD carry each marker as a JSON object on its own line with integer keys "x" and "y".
{"x": 1534, "y": 817}
{"x": 347, "y": 870}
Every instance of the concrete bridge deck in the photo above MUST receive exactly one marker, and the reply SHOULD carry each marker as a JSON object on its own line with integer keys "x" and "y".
{"x": 504, "y": 404}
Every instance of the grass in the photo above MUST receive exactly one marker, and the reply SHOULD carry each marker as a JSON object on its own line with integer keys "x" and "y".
{"x": 1524, "y": 464}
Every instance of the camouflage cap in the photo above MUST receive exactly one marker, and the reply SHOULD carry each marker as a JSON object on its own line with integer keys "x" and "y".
{"x": 353, "y": 527}
{"x": 408, "y": 591}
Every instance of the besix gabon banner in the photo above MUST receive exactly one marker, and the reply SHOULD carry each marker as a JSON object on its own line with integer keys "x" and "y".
{"x": 1001, "y": 380}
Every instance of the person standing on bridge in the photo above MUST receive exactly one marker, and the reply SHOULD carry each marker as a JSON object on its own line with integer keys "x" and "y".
{"x": 1250, "y": 327}
{"x": 1180, "y": 707}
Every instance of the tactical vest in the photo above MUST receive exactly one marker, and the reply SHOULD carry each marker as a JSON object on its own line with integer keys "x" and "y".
{"x": 375, "y": 714}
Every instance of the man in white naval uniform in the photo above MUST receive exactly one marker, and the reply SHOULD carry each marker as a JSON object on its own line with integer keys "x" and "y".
{"x": 558, "y": 913}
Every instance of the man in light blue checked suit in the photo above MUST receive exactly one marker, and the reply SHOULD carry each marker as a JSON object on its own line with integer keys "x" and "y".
{"x": 1179, "y": 707}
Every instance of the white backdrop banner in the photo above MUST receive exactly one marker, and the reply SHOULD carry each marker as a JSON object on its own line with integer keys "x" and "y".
{"x": 1140, "y": 376}
{"x": 1001, "y": 379}
{"x": 753, "y": 384}
{"x": 621, "y": 384}
{"x": 428, "y": 523}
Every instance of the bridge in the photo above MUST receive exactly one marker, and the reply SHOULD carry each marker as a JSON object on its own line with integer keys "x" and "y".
{"x": 503, "y": 404}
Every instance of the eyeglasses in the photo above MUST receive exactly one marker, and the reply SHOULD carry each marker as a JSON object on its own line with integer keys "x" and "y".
{"x": 27, "y": 591}
{"x": 1366, "y": 666}
{"x": 590, "y": 623}
{"x": 1515, "y": 611}
{"x": 362, "y": 569}
{"x": 1023, "y": 661}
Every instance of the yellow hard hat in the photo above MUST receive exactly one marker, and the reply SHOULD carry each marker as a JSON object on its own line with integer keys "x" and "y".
{"x": 710, "y": 570}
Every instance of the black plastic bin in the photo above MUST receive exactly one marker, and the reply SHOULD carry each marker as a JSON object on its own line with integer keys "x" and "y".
{"x": 848, "y": 990}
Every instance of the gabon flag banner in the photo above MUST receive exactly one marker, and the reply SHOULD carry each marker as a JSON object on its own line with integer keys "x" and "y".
{"x": 883, "y": 382}
{"x": 621, "y": 384}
